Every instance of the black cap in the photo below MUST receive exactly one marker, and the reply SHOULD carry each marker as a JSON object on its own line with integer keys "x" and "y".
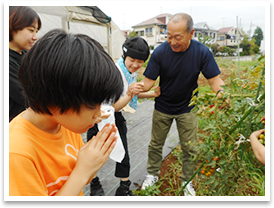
{"x": 136, "y": 48}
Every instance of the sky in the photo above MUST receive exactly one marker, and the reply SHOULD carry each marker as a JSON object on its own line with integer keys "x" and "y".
{"x": 217, "y": 14}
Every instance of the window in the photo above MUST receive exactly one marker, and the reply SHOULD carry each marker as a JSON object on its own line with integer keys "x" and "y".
{"x": 140, "y": 33}
{"x": 149, "y": 31}
{"x": 220, "y": 37}
{"x": 163, "y": 31}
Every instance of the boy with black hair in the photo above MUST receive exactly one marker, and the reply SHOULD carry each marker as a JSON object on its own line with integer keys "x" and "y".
{"x": 64, "y": 81}
{"x": 135, "y": 53}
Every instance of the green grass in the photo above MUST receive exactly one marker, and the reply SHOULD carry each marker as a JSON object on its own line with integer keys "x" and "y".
{"x": 233, "y": 65}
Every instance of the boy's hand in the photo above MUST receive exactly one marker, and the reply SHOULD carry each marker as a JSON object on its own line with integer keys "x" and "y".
{"x": 95, "y": 153}
{"x": 257, "y": 133}
{"x": 257, "y": 147}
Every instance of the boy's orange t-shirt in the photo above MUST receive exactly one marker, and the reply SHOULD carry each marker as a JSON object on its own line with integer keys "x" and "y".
{"x": 39, "y": 162}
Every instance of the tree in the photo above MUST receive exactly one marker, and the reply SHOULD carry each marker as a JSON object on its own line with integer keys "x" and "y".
{"x": 246, "y": 46}
{"x": 258, "y": 35}
{"x": 224, "y": 49}
{"x": 214, "y": 48}
{"x": 205, "y": 40}
{"x": 255, "y": 49}
{"x": 132, "y": 34}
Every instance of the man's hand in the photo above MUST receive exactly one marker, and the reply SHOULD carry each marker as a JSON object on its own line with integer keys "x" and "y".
{"x": 219, "y": 94}
{"x": 157, "y": 91}
{"x": 216, "y": 83}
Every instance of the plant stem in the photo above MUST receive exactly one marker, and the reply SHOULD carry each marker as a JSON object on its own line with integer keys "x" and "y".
{"x": 232, "y": 130}
{"x": 252, "y": 112}
{"x": 245, "y": 115}
{"x": 181, "y": 190}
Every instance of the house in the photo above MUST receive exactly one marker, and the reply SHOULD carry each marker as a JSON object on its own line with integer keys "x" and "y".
{"x": 153, "y": 30}
{"x": 88, "y": 20}
{"x": 126, "y": 33}
{"x": 202, "y": 29}
{"x": 227, "y": 36}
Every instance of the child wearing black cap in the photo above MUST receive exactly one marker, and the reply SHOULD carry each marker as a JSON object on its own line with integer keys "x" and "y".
{"x": 135, "y": 53}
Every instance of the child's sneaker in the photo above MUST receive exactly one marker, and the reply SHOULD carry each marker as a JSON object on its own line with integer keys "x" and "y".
{"x": 123, "y": 189}
{"x": 149, "y": 181}
{"x": 96, "y": 188}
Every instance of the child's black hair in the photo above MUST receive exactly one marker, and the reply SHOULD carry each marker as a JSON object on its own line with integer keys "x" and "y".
{"x": 66, "y": 71}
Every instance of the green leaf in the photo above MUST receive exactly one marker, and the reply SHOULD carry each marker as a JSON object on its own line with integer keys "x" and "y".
{"x": 222, "y": 162}
{"x": 192, "y": 103}
{"x": 194, "y": 91}
{"x": 194, "y": 98}
{"x": 212, "y": 163}
{"x": 209, "y": 155}
{"x": 210, "y": 180}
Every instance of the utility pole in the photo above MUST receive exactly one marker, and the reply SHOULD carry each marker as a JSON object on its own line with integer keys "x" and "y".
{"x": 251, "y": 25}
{"x": 224, "y": 20}
{"x": 250, "y": 31}
{"x": 238, "y": 48}
{"x": 124, "y": 20}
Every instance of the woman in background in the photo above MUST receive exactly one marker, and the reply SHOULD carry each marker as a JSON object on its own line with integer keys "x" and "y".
{"x": 24, "y": 23}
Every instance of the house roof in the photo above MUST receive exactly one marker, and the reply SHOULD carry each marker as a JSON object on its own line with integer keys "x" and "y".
{"x": 200, "y": 25}
{"x": 159, "y": 19}
{"x": 125, "y": 32}
{"x": 225, "y": 29}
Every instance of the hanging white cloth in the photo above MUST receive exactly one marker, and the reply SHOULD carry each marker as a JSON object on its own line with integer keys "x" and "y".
{"x": 118, "y": 153}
